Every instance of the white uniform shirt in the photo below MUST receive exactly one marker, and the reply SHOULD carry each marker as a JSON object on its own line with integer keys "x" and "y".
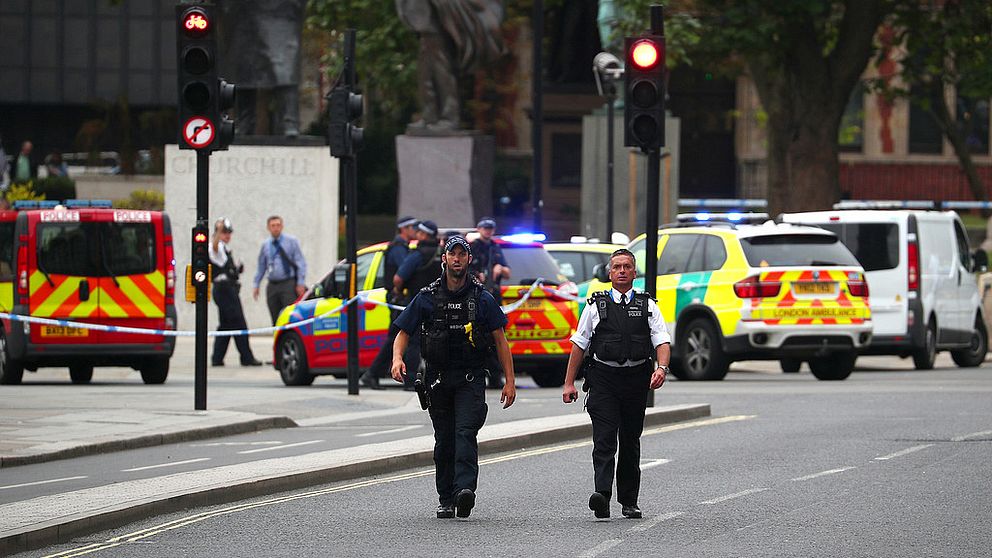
{"x": 590, "y": 319}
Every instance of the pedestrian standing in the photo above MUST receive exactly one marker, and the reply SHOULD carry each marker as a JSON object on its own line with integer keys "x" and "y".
{"x": 24, "y": 169}
{"x": 459, "y": 323}
{"x": 282, "y": 260}
{"x": 490, "y": 268}
{"x": 623, "y": 332}
{"x": 225, "y": 274}
{"x": 397, "y": 251}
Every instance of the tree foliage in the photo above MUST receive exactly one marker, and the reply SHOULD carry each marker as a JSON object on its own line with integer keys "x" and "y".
{"x": 947, "y": 45}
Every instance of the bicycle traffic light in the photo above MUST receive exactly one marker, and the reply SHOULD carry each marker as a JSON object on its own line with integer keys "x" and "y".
{"x": 344, "y": 107}
{"x": 203, "y": 96}
{"x": 644, "y": 92}
{"x": 201, "y": 256}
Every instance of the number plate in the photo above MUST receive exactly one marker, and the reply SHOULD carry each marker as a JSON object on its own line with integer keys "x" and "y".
{"x": 61, "y": 331}
{"x": 532, "y": 304}
{"x": 814, "y": 288}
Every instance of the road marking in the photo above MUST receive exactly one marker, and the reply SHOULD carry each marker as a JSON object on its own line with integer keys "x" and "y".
{"x": 653, "y": 463}
{"x": 600, "y": 548}
{"x": 393, "y": 431}
{"x": 218, "y": 444}
{"x": 740, "y": 494}
{"x": 902, "y": 452}
{"x": 654, "y": 521}
{"x": 142, "y": 534}
{"x": 284, "y": 446}
{"x": 823, "y": 474}
{"x": 35, "y": 483}
{"x": 170, "y": 464}
{"x": 972, "y": 435}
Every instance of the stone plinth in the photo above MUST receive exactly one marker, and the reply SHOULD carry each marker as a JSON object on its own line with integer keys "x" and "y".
{"x": 249, "y": 183}
{"x": 446, "y": 179}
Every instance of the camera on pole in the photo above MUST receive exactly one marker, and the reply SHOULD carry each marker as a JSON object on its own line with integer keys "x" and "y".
{"x": 644, "y": 92}
{"x": 198, "y": 84}
{"x": 344, "y": 107}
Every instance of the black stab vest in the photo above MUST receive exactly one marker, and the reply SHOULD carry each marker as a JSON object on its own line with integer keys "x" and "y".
{"x": 445, "y": 342}
{"x": 623, "y": 332}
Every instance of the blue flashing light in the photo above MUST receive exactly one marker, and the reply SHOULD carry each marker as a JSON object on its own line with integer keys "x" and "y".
{"x": 88, "y": 203}
{"x": 735, "y": 216}
{"x": 524, "y": 238}
{"x": 703, "y": 216}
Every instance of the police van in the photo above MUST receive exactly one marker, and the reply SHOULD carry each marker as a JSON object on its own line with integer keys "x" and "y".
{"x": 93, "y": 265}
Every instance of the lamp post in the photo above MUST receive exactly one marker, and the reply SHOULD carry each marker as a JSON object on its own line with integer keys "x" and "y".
{"x": 608, "y": 69}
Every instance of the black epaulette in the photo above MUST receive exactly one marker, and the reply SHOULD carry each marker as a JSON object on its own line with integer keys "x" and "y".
{"x": 433, "y": 287}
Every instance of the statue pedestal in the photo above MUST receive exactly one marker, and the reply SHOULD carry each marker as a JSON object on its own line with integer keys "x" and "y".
{"x": 448, "y": 179}
{"x": 248, "y": 183}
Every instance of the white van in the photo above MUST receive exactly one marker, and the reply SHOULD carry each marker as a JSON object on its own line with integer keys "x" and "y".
{"x": 923, "y": 293}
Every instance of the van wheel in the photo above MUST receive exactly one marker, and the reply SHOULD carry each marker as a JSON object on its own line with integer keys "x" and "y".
{"x": 155, "y": 370}
{"x": 836, "y": 366}
{"x": 11, "y": 371}
{"x": 974, "y": 355}
{"x": 790, "y": 365}
{"x": 701, "y": 354}
{"x": 291, "y": 360}
{"x": 924, "y": 357}
{"x": 81, "y": 373}
{"x": 551, "y": 376}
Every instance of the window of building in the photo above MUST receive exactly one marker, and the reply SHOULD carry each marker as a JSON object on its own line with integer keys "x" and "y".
{"x": 924, "y": 133}
{"x": 850, "y": 136}
{"x": 566, "y": 160}
{"x": 973, "y": 122}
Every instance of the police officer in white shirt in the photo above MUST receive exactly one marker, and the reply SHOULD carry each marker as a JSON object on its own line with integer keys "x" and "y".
{"x": 630, "y": 349}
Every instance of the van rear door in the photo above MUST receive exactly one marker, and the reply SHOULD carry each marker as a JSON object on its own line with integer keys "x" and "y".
{"x": 62, "y": 280}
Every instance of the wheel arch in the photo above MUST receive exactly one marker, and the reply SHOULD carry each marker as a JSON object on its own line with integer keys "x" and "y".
{"x": 688, "y": 314}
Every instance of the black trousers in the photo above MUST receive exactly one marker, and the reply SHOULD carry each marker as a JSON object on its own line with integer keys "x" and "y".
{"x": 384, "y": 359}
{"x": 617, "y": 399}
{"x": 458, "y": 411}
{"x": 278, "y": 295}
{"x": 232, "y": 317}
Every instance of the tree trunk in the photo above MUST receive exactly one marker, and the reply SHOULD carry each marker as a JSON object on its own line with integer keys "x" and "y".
{"x": 948, "y": 125}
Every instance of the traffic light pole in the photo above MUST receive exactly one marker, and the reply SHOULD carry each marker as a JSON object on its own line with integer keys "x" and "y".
{"x": 202, "y": 210}
{"x": 653, "y": 188}
{"x": 349, "y": 176}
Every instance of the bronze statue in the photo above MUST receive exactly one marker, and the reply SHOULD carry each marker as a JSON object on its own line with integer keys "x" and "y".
{"x": 262, "y": 54}
{"x": 455, "y": 36}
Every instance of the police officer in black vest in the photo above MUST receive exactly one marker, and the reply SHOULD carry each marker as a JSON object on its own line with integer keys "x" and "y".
{"x": 460, "y": 323}
{"x": 625, "y": 335}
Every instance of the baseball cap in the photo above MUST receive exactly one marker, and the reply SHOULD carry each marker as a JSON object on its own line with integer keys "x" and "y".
{"x": 429, "y": 227}
{"x": 486, "y": 223}
{"x": 405, "y": 221}
{"x": 457, "y": 240}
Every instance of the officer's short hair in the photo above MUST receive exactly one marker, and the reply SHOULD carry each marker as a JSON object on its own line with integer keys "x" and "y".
{"x": 623, "y": 252}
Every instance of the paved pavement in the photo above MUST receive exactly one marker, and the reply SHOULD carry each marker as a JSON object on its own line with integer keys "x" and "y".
{"x": 48, "y": 418}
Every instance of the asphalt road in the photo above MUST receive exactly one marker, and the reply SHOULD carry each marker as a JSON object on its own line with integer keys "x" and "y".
{"x": 891, "y": 462}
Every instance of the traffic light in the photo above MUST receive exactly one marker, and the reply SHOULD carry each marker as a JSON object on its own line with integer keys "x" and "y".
{"x": 199, "y": 105}
{"x": 201, "y": 256}
{"x": 644, "y": 92}
{"x": 225, "y": 100}
{"x": 344, "y": 107}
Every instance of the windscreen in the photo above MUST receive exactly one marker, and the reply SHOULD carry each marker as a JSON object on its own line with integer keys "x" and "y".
{"x": 528, "y": 263}
{"x": 796, "y": 250}
{"x": 96, "y": 249}
{"x": 875, "y": 245}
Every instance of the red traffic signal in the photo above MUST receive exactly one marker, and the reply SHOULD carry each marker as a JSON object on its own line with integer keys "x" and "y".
{"x": 195, "y": 23}
{"x": 645, "y": 54}
{"x": 200, "y": 237}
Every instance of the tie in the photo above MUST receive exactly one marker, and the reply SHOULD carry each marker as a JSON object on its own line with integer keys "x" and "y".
{"x": 623, "y": 299}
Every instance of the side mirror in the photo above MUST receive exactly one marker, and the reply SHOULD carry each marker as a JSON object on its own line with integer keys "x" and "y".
{"x": 600, "y": 273}
{"x": 980, "y": 261}
{"x": 340, "y": 286}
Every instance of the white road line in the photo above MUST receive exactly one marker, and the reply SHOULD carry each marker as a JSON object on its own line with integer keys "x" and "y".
{"x": 40, "y": 482}
{"x": 902, "y": 452}
{"x": 600, "y": 548}
{"x": 972, "y": 435}
{"x": 823, "y": 474}
{"x": 217, "y": 444}
{"x": 284, "y": 446}
{"x": 394, "y": 430}
{"x": 171, "y": 464}
{"x": 734, "y": 495}
{"x": 650, "y": 523}
{"x": 653, "y": 463}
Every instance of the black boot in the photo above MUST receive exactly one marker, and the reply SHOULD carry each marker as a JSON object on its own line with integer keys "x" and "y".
{"x": 370, "y": 381}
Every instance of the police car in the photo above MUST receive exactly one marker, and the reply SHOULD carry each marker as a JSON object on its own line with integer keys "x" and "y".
{"x": 730, "y": 291}
{"x": 538, "y": 328}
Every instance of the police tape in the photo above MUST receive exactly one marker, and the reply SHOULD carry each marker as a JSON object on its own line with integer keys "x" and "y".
{"x": 361, "y": 298}
{"x": 172, "y": 332}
